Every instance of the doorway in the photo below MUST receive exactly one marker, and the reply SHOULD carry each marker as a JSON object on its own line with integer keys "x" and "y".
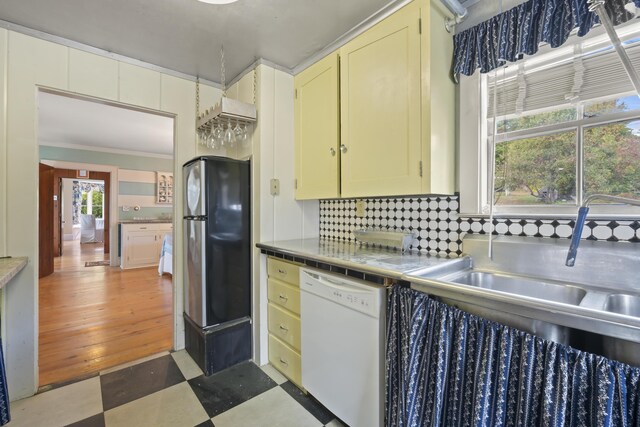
{"x": 100, "y": 163}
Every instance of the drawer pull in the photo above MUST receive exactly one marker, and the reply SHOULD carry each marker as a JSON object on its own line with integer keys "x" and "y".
{"x": 281, "y": 271}
{"x": 284, "y": 362}
{"x": 283, "y": 298}
{"x": 284, "y": 328}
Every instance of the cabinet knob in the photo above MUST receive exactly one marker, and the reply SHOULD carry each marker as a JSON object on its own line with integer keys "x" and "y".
{"x": 343, "y": 148}
{"x": 332, "y": 151}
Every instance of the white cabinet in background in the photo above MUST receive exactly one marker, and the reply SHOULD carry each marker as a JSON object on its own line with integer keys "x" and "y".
{"x": 141, "y": 244}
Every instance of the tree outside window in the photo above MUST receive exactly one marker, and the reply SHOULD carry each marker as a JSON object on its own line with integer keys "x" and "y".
{"x": 92, "y": 202}
{"x": 543, "y": 168}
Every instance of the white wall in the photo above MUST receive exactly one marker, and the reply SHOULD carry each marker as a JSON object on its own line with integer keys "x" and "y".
{"x": 280, "y": 217}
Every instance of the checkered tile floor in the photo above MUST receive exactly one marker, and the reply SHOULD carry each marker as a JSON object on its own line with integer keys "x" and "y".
{"x": 170, "y": 390}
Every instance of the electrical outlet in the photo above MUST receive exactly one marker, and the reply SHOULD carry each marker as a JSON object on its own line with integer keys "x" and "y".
{"x": 275, "y": 187}
{"x": 360, "y": 207}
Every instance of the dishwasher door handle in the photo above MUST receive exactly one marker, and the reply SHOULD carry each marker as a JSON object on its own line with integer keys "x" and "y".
{"x": 339, "y": 285}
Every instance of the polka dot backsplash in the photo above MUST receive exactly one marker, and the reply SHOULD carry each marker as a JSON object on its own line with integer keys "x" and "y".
{"x": 437, "y": 228}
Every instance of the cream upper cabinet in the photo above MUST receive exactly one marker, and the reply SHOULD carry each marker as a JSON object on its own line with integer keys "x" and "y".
{"x": 396, "y": 100}
{"x": 380, "y": 108}
{"x": 317, "y": 130}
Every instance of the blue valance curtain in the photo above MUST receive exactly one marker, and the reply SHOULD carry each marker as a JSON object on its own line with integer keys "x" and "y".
{"x": 509, "y": 35}
{"x": 448, "y": 368}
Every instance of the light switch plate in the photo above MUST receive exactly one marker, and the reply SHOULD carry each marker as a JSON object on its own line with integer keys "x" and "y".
{"x": 360, "y": 207}
{"x": 275, "y": 187}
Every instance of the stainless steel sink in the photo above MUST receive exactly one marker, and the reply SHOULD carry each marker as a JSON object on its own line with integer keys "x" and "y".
{"x": 629, "y": 305}
{"x": 522, "y": 286}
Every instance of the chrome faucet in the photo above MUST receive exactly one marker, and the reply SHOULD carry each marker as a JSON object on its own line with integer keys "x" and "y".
{"x": 582, "y": 216}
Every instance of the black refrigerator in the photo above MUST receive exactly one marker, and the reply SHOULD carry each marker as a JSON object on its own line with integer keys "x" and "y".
{"x": 217, "y": 264}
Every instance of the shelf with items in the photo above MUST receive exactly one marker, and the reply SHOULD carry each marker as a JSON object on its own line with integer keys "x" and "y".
{"x": 164, "y": 188}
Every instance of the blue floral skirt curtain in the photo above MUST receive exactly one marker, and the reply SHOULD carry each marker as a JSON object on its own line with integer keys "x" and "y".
{"x": 449, "y": 368}
{"x": 508, "y": 36}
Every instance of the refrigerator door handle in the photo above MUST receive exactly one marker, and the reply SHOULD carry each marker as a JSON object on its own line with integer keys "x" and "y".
{"x": 195, "y": 271}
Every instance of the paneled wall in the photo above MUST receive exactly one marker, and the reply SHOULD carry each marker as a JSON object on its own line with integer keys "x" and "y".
{"x": 27, "y": 63}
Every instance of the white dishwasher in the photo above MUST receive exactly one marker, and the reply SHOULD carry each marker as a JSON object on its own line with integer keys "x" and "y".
{"x": 343, "y": 329}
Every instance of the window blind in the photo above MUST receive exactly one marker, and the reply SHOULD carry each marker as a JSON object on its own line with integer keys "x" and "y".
{"x": 580, "y": 76}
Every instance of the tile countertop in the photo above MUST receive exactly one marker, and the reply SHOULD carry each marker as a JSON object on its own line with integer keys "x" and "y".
{"x": 146, "y": 221}
{"x": 9, "y": 267}
{"x": 384, "y": 262}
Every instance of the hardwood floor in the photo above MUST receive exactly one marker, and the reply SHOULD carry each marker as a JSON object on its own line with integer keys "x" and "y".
{"x": 93, "y": 318}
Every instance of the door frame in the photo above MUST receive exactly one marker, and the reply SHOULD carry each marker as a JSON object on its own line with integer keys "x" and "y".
{"x": 59, "y": 174}
{"x": 46, "y": 178}
{"x": 114, "y": 261}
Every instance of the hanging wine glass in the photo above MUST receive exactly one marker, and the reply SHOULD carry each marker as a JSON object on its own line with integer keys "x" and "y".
{"x": 229, "y": 136}
{"x": 210, "y": 140}
{"x": 237, "y": 130}
{"x": 245, "y": 134}
{"x": 217, "y": 144}
{"x": 218, "y": 135}
{"x": 205, "y": 137}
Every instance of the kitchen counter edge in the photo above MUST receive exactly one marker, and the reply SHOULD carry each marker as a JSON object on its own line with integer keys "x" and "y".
{"x": 9, "y": 267}
{"x": 286, "y": 247}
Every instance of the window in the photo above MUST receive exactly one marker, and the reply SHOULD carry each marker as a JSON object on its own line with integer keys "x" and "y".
{"x": 567, "y": 125}
{"x": 88, "y": 198}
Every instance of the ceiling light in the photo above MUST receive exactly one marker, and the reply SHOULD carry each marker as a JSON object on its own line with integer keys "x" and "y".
{"x": 218, "y": 1}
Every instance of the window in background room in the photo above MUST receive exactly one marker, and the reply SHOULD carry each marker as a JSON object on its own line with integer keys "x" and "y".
{"x": 567, "y": 126}
{"x": 88, "y": 198}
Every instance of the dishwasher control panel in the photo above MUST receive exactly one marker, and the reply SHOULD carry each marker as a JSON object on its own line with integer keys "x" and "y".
{"x": 355, "y": 294}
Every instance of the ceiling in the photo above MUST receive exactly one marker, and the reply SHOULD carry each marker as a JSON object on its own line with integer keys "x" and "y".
{"x": 77, "y": 123}
{"x": 186, "y": 35}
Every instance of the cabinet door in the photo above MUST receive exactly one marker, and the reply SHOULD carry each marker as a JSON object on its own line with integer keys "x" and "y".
{"x": 380, "y": 108}
{"x": 142, "y": 248}
{"x": 317, "y": 130}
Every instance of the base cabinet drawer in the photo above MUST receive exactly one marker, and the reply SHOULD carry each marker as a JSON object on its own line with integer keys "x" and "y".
{"x": 285, "y": 359}
{"x": 285, "y": 326}
{"x": 284, "y": 271}
{"x": 284, "y": 295}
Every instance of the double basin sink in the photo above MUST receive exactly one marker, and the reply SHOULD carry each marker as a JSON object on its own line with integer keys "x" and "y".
{"x": 523, "y": 282}
{"x": 624, "y": 304}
